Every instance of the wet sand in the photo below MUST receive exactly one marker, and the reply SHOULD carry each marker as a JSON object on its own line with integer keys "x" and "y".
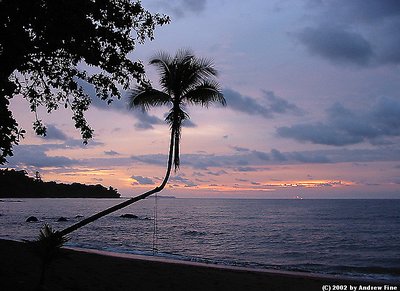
{"x": 86, "y": 270}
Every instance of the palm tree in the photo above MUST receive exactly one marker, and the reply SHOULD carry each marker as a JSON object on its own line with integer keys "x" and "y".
{"x": 185, "y": 80}
{"x": 47, "y": 248}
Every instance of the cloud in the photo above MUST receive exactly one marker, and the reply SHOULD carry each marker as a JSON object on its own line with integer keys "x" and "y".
{"x": 337, "y": 45}
{"x": 218, "y": 173}
{"x": 388, "y": 50}
{"x": 266, "y": 107}
{"x": 279, "y": 105}
{"x": 155, "y": 159}
{"x": 199, "y": 174}
{"x": 116, "y": 104}
{"x": 53, "y": 133}
{"x": 356, "y": 11}
{"x": 261, "y": 155}
{"x": 241, "y": 149}
{"x": 310, "y": 158}
{"x": 245, "y": 104}
{"x": 194, "y": 5}
{"x": 368, "y": 32}
{"x": 146, "y": 121}
{"x": 243, "y": 161}
{"x": 181, "y": 179}
{"x": 346, "y": 127}
{"x": 278, "y": 156}
{"x": 200, "y": 161}
{"x": 246, "y": 169}
{"x": 77, "y": 143}
{"x": 111, "y": 153}
{"x": 36, "y": 156}
{"x": 140, "y": 180}
{"x": 189, "y": 124}
{"x": 318, "y": 133}
{"x": 213, "y": 165}
{"x": 180, "y": 8}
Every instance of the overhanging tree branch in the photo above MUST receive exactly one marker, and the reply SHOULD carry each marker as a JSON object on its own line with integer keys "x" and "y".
{"x": 47, "y": 42}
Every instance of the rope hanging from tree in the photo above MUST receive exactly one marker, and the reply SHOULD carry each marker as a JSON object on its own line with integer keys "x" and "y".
{"x": 155, "y": 230}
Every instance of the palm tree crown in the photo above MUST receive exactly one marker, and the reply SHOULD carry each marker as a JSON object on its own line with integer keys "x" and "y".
{"x": 185, "y": 80}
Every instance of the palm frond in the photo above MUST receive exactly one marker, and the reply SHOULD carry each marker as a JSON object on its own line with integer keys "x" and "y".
{"x": 206, "y": 68}
{"x": 161, "y": 60}
{"x": 164, "y": 65}
{"x": 204, "y": 94}
{"x": 183, "y": 56}
{"x": 51, "y": 238}
{"x": 195, "y": 72}
{"x": 48, "y": 243}
{"x": 146, "y": 98}
{"x": 183, "y": 72}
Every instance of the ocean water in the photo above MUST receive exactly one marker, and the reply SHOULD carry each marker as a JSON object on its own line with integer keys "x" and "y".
{"x": 359, "y": 238}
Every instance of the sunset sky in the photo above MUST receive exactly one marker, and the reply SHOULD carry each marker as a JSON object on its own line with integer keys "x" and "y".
{"x": 313, "y": 93}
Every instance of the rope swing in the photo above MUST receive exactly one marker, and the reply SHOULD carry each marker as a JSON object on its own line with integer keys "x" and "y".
{"x": 155, "y": 229}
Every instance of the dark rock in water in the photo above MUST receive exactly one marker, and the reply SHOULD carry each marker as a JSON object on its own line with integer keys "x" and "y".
{"x": 62, "y": 219}
{"x": 79, "y": 216}
{"x": 32, "y": 219}
{"x": 128, "y": 215}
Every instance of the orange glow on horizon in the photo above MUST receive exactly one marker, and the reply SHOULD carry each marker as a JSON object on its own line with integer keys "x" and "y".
{"x": 122, "y": 179}
{"x": 267, "y": 187}
{"x": 312, "y": 183}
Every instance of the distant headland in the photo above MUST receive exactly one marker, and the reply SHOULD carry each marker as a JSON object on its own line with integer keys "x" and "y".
{"x": 17, "y": 184}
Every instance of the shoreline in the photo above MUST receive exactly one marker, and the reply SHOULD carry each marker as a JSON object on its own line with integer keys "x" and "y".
{"x": 87, "y": 269}
{"x": 278, "y": 272}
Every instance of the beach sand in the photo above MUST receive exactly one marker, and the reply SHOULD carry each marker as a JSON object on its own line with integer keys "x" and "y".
{"x": 90, "y": 270}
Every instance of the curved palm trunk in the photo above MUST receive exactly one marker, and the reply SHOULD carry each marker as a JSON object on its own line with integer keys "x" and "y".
{"x": 130, "y": 201}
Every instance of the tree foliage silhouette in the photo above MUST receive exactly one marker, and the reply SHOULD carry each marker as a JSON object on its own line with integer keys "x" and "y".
{"x": 47, "y": 48}
{"x": 185, "y": 80}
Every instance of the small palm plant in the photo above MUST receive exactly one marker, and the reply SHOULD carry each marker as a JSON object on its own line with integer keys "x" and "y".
{"x": 47, "y": 247}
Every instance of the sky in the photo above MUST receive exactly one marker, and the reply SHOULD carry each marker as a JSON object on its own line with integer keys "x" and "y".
{"x": 313, "y": 107}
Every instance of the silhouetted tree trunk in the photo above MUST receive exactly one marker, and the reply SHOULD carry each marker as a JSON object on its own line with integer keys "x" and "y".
{"x": 42, "y": 275}
{"x": 130, "y": 201}
{"x": 9, "y": 126}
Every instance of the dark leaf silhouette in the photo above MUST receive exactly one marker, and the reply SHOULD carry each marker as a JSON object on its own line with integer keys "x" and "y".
{"x": 45, "y": 50}
{"x": 47, "y": 248}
